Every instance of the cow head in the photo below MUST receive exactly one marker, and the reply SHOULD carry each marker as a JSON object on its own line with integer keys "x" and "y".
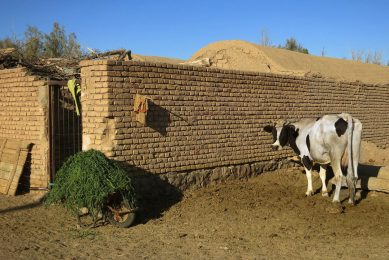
{"x": 283, "y": 134}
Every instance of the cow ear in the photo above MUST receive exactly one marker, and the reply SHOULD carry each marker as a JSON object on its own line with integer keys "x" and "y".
{"x": 268, "y": 128}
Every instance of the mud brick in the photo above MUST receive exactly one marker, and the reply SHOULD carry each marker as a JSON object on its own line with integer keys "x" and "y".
{"x": 224, "y": 98}
{"x": 25, "y": 118}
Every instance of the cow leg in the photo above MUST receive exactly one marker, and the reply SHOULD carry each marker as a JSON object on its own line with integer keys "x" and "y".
{"x": 323, "y": 175}
{"x": 351, "y": 189}
{"x": 338, "y": 178}
{"x": 308, "y": 173}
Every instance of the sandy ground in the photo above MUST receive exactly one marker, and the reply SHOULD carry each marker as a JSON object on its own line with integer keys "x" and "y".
{"x": 264, "y": 218}
{"x": 242, "y": 55}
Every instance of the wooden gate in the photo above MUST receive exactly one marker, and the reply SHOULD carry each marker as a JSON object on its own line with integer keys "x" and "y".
{"x": 65, "y": 126}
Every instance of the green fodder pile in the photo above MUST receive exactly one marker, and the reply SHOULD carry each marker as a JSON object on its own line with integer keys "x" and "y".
{"x": 86, "y": 179}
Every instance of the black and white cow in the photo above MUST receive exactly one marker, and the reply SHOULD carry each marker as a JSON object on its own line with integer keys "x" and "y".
{"x": 331, "y": 139}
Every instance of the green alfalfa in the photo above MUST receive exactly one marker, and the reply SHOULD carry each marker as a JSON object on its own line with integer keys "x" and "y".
{"x": 86, "y": 179}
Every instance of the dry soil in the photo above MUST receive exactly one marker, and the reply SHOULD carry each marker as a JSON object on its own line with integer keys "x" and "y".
{"x": 266, "y": 217}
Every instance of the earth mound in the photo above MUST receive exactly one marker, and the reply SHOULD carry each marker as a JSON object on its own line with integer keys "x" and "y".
{"x": 241, "y": 55}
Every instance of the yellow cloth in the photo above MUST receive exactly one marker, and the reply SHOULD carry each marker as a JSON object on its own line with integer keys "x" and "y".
{"x": 75, "y": 89}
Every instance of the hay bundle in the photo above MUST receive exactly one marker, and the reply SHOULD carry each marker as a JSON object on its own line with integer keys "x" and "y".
{"x": 86, "y": 180}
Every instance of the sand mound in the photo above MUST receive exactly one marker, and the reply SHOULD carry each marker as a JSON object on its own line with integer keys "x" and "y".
{"x": 241, "y": 55}
{"x": 237, "y": 55}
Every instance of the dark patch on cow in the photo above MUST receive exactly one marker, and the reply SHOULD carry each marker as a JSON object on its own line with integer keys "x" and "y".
{"x": 341, "y": 126}
{"x": 308, "y": 143}
{"x": 317, "y": 119}
{"x": 274, "y": 133}
{"x": 268, "y": 128}
{"x": 307, "y": 162}
{"x": 292, "y": 140}
{"x": 289, "y": 135}
{"x": 284, "y": 135}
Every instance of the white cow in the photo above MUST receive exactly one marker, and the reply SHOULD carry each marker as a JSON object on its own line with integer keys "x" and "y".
{"x": 331, "y": 139}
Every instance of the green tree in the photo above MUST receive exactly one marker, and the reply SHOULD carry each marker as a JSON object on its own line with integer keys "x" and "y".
{"x": 33, "y": 43}
{"x": 8, "y": 43}
{"x": 36, "y": 45}
{"x": 292, "y": 45}
{"x": 55, "y": 42}
{"x": 73, "y": 48}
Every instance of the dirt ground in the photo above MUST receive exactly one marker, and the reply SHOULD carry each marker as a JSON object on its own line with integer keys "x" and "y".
{"x": 262, "y": 218}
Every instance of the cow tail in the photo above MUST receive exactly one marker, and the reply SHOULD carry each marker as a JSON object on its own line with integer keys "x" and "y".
{"x": 350, "y": 148}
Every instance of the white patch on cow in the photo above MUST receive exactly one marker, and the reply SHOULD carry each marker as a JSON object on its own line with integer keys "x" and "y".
{"x": 323, "y": 174}
{"x": 309, "y": 179}
{"x": 277, "y": 142}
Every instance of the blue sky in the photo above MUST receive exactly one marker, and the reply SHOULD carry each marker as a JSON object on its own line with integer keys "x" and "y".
{"x": 179, "y": 28}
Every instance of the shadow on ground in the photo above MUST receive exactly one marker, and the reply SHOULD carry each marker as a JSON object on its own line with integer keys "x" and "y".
{"x": 364, "y": 172}
{"x": 154, "y": 194}
{"x": 22, "y": 207}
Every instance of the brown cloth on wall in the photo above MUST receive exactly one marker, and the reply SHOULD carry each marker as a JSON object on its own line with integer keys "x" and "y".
{"x": 141, "y": 106}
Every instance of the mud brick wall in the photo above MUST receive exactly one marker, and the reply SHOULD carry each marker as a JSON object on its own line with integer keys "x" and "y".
{"x": 203, "y": 118}
{"x": 23, "y": 116}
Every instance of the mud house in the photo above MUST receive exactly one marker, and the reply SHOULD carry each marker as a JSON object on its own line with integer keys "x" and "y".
{"x": 200, "y": 124}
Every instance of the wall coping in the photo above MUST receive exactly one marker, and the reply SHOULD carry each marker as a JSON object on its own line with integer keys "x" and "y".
{"x": 86, "y": 63}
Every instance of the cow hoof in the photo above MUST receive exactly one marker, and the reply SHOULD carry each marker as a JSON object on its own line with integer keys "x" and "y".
{"x": 309, "y": 193}
{"x": 336, "y": 201}
{"x": 324, "y": 194}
